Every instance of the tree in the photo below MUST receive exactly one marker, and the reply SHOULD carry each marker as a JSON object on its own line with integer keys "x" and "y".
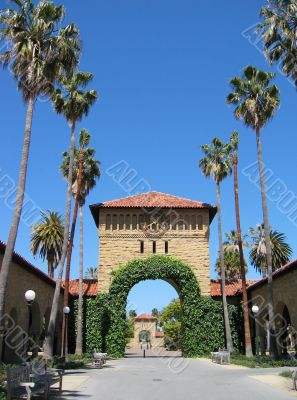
{"x": 217, "y": 164}
{"x": 255, "y": 103}
{"x": 47, "y": 239}
{"x": 278, "y": 31}
{"x": 38, "y": 50}
{"x": 91, "y": 273}
{"x": 171, "y": 322}
{"x": 232, "y": 265}
{"x": 281, "y": 250}
{"x": 247, "y": 332}
{"x": 155, "y": 312}
{"x": 132, "y": 314}
{"x": 71, "y": 101}
{"x": 85, "y": 173}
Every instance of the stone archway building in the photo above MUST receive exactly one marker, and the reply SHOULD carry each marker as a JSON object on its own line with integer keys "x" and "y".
{"x": 153, "y": 223}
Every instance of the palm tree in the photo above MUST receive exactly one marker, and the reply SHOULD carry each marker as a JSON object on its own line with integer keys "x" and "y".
{"x": 37, "y": 51}
{"x": 91, "y": 273}
{"x": 73, "y": 103}
{"x": 47, "y": 239}
{"x": 217, "y": 164}
{"x": 85, "y": 172}
{"x": 279, "y": 33}
{"x": 247, "y": 332}
{"x": 231, "y": 242}
{"x": 281, "y": 250}
{"x": 232, "y": 265}
{"x": 256, "y": 103}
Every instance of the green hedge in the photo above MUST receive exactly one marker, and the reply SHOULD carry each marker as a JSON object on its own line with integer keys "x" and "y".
{"x": 202, "y": 323}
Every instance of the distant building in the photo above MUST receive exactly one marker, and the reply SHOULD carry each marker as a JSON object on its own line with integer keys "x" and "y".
{"x": 145, "y": 332}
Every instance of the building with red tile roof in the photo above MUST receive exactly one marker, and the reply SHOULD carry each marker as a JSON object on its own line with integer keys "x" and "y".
{"x": 152, "y": 200}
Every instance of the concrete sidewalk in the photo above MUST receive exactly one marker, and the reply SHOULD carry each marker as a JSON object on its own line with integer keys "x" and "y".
{"x": 175, "y": 378}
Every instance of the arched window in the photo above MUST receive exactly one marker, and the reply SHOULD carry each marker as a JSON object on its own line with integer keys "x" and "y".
{"x": 166, "y": 247}
{"x": 193, "y": 222}
{"x": 141, "y": 246}
{"x": 200, "y": 222}
{"x": 114, "y": 222}
{"x": 187, "y": 222}
{"x": 128, "y": 221}
{"x": 180, "y": 224}
{"x": 141, "y": 221}
{"x": 108, "y": 222}
{"x": 134, "y": 222}
{"x": 154, "y": 247}
{"x": 121, "y": 222}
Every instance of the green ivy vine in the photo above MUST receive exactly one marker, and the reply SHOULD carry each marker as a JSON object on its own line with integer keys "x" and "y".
{"x": 202, "y": 321}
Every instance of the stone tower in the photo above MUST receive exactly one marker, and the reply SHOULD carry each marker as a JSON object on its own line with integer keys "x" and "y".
{"x": 153, "y": 223}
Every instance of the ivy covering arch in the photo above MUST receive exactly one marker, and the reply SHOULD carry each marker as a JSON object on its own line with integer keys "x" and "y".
{"x": 202, "y": 317}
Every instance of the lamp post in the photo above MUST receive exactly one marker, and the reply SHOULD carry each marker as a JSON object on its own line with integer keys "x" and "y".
{"x": 30, "y": 297}
{"x": 255, "y": 311}
{"x": 66, "y": 311}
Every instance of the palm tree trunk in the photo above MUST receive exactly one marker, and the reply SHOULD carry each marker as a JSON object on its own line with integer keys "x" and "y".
{"x": 69, "y": 253}
{"x": 17, "y": 209}
{"x": 79, "y": 336}
{"x": 50, "y": 270}
{"x": 247, "y": 331}
{"x": 271, "y": 322}
{"x": 223, "y": 277}
{"x": 49, "y": 341}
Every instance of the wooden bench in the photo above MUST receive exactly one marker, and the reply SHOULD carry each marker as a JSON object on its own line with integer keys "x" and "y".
{"x": 21, "y": 386}
{"x": 221, "y": 357}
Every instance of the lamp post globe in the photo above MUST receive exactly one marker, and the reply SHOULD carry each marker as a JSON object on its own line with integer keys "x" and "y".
{"x": 66, "y": 310}
{"x": 255, "y": 309}
{"x": 30, "y": 296}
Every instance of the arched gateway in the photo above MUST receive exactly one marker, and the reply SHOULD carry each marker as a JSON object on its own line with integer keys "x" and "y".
{"x": 154, "y": 236}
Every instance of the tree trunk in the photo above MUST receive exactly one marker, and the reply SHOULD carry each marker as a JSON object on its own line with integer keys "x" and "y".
{"x": 49, "y": 341}
{"x": 247, "y": 331}
{"x": 223, "y": 277}
{"x": 69, "y": 252}
{"x": 50, "y": 270}
{"x": 271, "y": 322}
{"x": 79, "y": 336}
{"x": 17, "y": 209}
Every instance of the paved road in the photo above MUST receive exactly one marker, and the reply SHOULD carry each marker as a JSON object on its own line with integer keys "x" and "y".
{"x": 155, "y": 378}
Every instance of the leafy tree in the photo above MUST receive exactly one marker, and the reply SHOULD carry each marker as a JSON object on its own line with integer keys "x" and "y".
{"x": 71, "y": 101}
{"x": 281, "y": 250}
{"x": 278, "y": 30}
{"x": 132, "y": 314}
{"x": 47, "y": 239}
{"x": 232, "y": 265}
{"x": 155, "y": 312}
{"x": 37, "y": 51}
{"x": 171, "y": 322}
{"x": 91, "y": 273}
{"x": 217, "y": 164}
{"x": 256, "y": 102}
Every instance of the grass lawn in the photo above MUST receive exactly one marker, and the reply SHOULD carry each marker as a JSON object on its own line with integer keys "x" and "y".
{"x": 2, "y": 379}
{"x": 286, "y": 374}
{"x": 262, "y": 361}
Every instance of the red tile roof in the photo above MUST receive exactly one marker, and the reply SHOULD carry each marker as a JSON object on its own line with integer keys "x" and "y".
{"x": 152, "y": 200}
{"x": 90, "y": 287}
{"x": 283, "y": 270}
{"x": 159, "y": 334}
{"x": 25, "y": 264}
{"x": 145, "y": 316}
{"x": 232, "y": 288}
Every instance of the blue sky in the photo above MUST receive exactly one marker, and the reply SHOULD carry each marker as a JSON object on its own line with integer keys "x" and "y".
{"x": 162, "y": 70}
